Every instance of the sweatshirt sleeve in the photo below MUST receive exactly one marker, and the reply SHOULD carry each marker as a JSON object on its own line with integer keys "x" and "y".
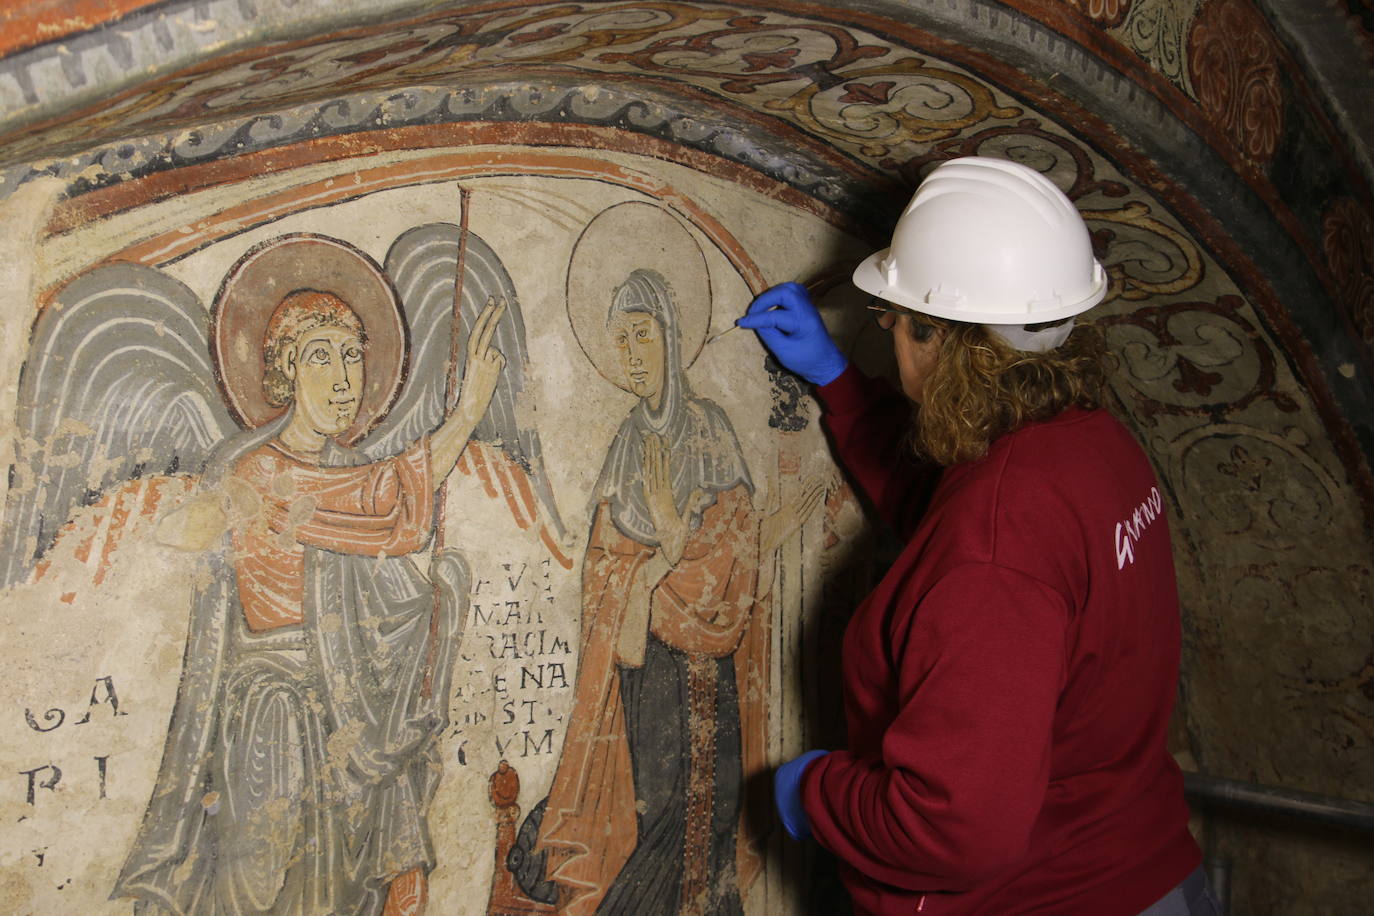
{"x": 869, "y": 422}
{"x": 964, "y": 767}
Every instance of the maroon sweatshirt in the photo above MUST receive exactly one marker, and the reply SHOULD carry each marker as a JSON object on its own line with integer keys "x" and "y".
{"x": 1009, "y": 682}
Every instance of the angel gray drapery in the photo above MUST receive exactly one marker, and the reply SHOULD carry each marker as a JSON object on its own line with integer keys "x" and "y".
{"x": 117, "y": 385}
{"x": 300, "y": 762}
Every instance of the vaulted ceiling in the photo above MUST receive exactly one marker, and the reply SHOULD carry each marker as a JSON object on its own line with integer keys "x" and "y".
{"x": 1222, "y": 152}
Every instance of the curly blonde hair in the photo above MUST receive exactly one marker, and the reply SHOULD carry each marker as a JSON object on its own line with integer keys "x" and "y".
{"x": 981, "y": 388}
{"x": 300, "y": 312}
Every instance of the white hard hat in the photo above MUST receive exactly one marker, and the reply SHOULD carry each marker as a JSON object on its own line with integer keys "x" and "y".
{"x": 991, "y": 242}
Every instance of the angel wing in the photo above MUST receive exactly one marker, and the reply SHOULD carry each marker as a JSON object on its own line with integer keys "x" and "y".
{"x": 117, "y": 386}
{"x": 504, "y": 453}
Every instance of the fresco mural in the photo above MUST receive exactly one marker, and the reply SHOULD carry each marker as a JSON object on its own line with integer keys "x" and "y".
{"x": 359, "y": 622}
{"x": 670, "y": 711}
{"x": 301, "y": 758}
{"x": 166, "y": 185}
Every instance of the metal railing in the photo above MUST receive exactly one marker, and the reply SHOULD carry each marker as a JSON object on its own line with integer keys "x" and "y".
{"x": 1304, "y": 806}
{"x": 1212, "y": 792}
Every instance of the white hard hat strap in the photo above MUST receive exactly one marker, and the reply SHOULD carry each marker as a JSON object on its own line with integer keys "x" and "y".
{"x": 1041, "y": 341}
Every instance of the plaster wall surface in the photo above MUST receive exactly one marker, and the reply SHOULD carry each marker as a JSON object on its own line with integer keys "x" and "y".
{"x": 119, "y": 597}
{"x": 1224, "y": 184}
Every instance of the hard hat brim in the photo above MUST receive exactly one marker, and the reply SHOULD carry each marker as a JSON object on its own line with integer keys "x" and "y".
{"x": 868, "y": 276}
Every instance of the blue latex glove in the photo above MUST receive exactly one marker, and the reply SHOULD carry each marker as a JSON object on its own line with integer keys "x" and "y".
{"x": 787, "y": 794}
{"x": 792, "y": 330}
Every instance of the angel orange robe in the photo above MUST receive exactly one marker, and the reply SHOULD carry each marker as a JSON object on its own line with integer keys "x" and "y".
{"x": 381, "y": 508}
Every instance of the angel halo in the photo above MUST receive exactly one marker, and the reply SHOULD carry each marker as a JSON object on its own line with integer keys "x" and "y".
{"x": 261, "y": 279}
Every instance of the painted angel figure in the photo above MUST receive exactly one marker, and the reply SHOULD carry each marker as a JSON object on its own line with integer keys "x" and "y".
{"x": 302, "y": 753}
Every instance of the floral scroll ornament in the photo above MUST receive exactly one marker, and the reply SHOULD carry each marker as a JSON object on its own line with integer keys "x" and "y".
{"x": 1198, "y": 359}
{"x": 905, "y": 101}
{"x": 1233, "y": 63}
{"x": 1143, "y": 256}
{"x": 750, "y": 54}
{"x": 1258, "y": 483}
{"x": 574, "y": 33}
{"x": 1157, "y": 30}
{"x": 1106, "y": 13}
{"x": 1061, "y": 159}
{"x": 1348, "y": 240}
{"x": 836, "y": 87}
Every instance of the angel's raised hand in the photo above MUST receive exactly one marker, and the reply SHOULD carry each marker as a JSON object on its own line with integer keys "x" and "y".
{"x": 484, "y": 328}
{"x": 482, "y": 371}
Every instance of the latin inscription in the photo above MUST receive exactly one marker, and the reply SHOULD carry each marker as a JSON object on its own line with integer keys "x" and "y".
{"x": 522, "y": 664}
{"x": 46, "y": 777}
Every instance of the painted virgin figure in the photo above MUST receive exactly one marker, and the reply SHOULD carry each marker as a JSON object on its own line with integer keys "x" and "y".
{"x": 644, "y": 808}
